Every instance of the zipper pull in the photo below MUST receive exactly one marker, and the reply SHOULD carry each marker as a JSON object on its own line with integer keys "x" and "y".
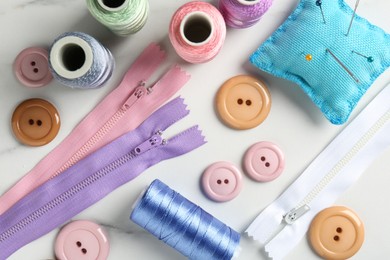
{"x": 152, "y": 142}
{"x": 138, "y": 93}
{"x": 295, "y": 214}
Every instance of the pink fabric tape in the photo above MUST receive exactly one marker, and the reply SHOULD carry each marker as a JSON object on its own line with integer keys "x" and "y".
{"x": 243, "y": 13}
{"x": 197, "y": 32}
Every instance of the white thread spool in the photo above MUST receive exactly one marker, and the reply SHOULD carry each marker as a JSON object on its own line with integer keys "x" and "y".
{"x": 78, "y": 60}
{"x": 196, "y": 28}
{"x": 123, "y": 17}
{"x": 242, "y": 14}
{"x": 113, "y": 5}
{"x": 71, "y": 57}
{"x": 197, "y": 31}
{"x": 248, "y": 2}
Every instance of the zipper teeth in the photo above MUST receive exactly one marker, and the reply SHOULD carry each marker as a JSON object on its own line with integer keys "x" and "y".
{"x": 65, "y": 196}
{"x": 91, "y": 142}
{"x": 346, "y": 159}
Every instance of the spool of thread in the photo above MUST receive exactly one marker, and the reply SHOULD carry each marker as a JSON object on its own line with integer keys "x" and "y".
{"x": 243, "y": 13}
{"x": 123, "y": 17}
{"x": 78, "y": 60}
{"x": 197, "y": 31}
{"x": 183, "y": 225}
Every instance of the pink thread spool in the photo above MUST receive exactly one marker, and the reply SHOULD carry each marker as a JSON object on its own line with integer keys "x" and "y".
{"x": 197, "y": 31}
{"x": 243, "y": 13}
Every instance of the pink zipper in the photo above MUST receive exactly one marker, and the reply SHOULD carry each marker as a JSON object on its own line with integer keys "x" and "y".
{"x": 121, "y": 111}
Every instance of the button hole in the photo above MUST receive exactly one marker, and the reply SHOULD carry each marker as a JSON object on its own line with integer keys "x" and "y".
{"x": 219, "y": 181}
{"x": 33, "y": 63}
{"x": 339, "y": 230}
{"x": 39, "y": 122}
{"x": 262, "y": 158}
{"x": 35, "y": 70}
{"x": 240, "y": 101}
{"x": 31, "y": 122}
{"x": 267, "y": 164}
{"x": 336, "y": 238}
{"x": 78, "y": 243}
{"x": 226, "y": 181}
{"x": 248, "y": 102}
{"x": 84, "y": 251}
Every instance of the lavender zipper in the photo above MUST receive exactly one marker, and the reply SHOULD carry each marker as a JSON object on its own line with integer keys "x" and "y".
{"x": 91, "y": 179}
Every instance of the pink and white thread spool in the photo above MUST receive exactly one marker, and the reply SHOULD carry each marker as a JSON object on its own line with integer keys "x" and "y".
{"x": 197, "y": 31}
{"x": 243, "y": 13}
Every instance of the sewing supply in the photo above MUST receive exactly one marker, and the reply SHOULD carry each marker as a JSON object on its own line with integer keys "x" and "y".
{"x": 319, "y": 4}
{"x": 243, "y": 102}
{"x": 107, "y": 121}
{"x": 243, "y": 13}
{"x": 82, "y": 240}
{"x": 369, "y": 58}
{"x": 31, "y": 67}
{"x": 353, "y": 16}
{"x": 197, "y": 32}
{"x": 264, "y": 161}
{"x": 35, "y": 122}
{"x": 91, "y": 179}
{"x": 282, "y": 224}
{"x": 343, "y": 66}
{"x": 183, "y": 225}
{"x": 222, "y": 181}
{"x": 338, "y": 95}
{"x": 336, "y": 233}
{"x": 78, "y": 60}
{"x": 309, "y": 57}
{"x": 123, "y": 17}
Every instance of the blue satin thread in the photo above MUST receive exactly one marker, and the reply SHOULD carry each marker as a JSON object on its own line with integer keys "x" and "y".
{"x": 102, "y": 66}
{"x": 183, "y": 225}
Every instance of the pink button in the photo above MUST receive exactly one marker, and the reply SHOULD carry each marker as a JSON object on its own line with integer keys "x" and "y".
{"x": 31, "y": 67}
{"x": 222, "y": 181}
{"x": 82, "y": 240}
{"x": 264, "y": 161}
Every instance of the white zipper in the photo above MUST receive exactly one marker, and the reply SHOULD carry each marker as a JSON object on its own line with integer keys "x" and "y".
{"x": 304, "y": 205}
{"x": 283, "y": 223}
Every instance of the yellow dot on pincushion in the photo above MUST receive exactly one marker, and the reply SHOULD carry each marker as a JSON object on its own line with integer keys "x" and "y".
{"x": 309, "y": 57}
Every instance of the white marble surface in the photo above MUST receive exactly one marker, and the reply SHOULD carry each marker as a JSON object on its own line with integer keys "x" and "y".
{"x": 295, "y": 124}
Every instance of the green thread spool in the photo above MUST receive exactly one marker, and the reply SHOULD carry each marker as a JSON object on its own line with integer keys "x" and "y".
{"x": 123, "y": 17}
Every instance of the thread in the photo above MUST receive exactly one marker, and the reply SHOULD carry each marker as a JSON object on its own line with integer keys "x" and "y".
{"x": 78, "y": 60}
{"x": 197, "y": 31}
{"x": 183, "y": 225}
{"x": 243, "y": 13}
{"x": 123, "y": 17}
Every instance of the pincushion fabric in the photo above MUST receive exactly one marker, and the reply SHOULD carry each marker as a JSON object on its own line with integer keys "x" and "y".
{"x": 322, "y": 78}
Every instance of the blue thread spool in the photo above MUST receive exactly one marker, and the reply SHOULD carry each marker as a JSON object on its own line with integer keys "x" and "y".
{"x": 183, "y": 225}
{"x": 78, "y": 60}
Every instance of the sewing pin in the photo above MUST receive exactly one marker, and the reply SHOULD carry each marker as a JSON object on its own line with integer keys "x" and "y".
{"x": 343, "y": 66}
{"x": 353, "y": 16}
{"x": 369, "y": 58}
{"x": 309, "y": 57}
{"x": 319, "y": 4}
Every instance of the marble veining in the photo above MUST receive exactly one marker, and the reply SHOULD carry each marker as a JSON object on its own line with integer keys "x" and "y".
{"x": 44, "y": 3}
{"x": 9, "y": 150}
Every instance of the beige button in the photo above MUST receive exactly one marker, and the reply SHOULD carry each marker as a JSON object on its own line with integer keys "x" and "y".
{"x": 336, "y": 233}
{"x": 243, "y": 102}
{"x": 35, "y": 122}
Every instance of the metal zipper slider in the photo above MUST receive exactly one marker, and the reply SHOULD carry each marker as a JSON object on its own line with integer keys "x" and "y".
{"x": 152, "y": 142}
{"x": 138, "y": 93}
{"x": 295, "y": 214}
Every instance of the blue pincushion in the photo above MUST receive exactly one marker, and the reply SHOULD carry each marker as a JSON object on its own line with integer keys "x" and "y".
{"x": 297, "y": 51}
